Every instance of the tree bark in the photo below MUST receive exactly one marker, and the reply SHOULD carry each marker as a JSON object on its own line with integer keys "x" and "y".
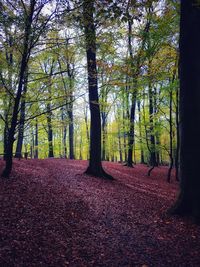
{"x": 36, "y": 140}
{"x": 70, "y": 112}
{"x": 87, "y": 129}
{"x": 140, "y": 134}
{"x": 18, "y": 153}
{"x": 131, "y": 131}
{"x": 71, "y": 133}
{"x": 157, "y": 132}
{"x": 5, "y": 139}
{"x": 50, "y": 131}
{"x": 170, "y": 138}
{"x": 152, "y": 160}
{"x": 64, "y": 133}
{"x": 188, "y": 202}
{"x": 95, "y": 166}
{"x": 133, "y": 99}
{"x": 104, "y": 130}
{"x": 124, "y": 135}
{"x": 177, "y": 136}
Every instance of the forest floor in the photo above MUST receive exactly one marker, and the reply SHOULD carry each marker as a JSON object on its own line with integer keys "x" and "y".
{"x": 52, "y": 215}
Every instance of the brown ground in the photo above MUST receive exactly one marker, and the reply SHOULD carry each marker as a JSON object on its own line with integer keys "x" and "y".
{"x": 53, "y": 216}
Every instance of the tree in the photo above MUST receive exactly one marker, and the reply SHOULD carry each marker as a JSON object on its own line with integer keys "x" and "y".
{"x": 18, "y": 153}
{"x": 95, "y": 167}
{"x": 24, "y": 61}
{"x": 188, "y": 202}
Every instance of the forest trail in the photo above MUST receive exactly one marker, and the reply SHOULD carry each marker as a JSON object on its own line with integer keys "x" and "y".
{"x": 53, "y": 215}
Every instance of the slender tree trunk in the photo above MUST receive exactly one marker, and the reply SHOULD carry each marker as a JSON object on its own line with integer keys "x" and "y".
{"x": 133, "y": 100}
{"x": 87, "y": 130}
{"x": 171, "y": 156}
{"x": 18, "y": 153}
{"x": 135, "y": 72}
{"x": 71, "y": 133}
{"x": 36, "y": 140}
{"x": 170, "y": 138}
{"x": 146, "y": 134}
{"x": 70, "y": 113}
{"x": 152, "y": 146}
{"x": 157, "y": 132}
{"x": 188, "y": 202}
{"x": 124, "y": 137}
{"x": 5, "y": 139}
{"x": 80, "y": 147}
{"x": 120, "y": 145}
{"x": 134, "y": 153}
{"x": 64, "y": 135}
{"x": 9, "y": 105}
{"x": 23, "y": 66}
{"x": 140, "y": 134}
{"x": 103, "y": 116}
{"x": 32, "y": 148}
{"x": 152, "y": 160}
{"x": 50, "y": 131}
{"x": 95, "y": 166}
{"x": 177, "y": 136}
{"x": 131, "y": 132}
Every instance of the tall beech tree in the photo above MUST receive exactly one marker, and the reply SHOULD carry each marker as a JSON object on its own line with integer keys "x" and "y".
{"x": 70, "y": 73}
{"x": 188, "y": 202}
{"x": 23, "y": 65}
{"x": 133, "y": 96}
{"x": 95, "y": 167}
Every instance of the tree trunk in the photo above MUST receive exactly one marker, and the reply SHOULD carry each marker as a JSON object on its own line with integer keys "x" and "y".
{"x": 64, "y": 134}
{"x": 120, "y": 145}
{"x": 87, "y": 130}
{"x": 131, "y": 132}
{"x": 5, "y": 140}
{"x": 95, "y": 166}
{"x": 18, "y": 153}
{"x": 152, "y": 160}
{"x": 133, "y": 99}
{"x": 152, "y": 145}
{"x": 71, "y": 133}
{"x": 177, "y": 136}
{"x": 103, "y": 116}
{"x": 50, "y": 131}
{"x": 80, "y": 148}
{"x": 36, "y": 141}
{"x": 188, "y": 202}
{"x": 124, "y": 136}
{"x": 70, "y": 113}
{"x": 157, "y": 133}
{"x": 170, "y": 138}
{"x": 23, "y": 66}
{"x": 140, "y": 134}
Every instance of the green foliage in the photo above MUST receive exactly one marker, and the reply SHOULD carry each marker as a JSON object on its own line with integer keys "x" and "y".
{"x": 57, "y": 74}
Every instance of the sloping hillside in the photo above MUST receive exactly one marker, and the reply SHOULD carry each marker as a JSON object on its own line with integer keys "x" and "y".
{"x": 54, "y": 215}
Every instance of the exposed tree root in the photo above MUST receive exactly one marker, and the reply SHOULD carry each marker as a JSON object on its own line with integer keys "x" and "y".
{"x": 99, "y": 173}
{"x": 128, "y": 165}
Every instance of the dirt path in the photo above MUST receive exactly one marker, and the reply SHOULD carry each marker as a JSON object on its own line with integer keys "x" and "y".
{"x": 71, "y": 219}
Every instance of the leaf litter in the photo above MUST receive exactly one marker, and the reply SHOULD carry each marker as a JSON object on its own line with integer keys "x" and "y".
{"x": 54, "y": 215}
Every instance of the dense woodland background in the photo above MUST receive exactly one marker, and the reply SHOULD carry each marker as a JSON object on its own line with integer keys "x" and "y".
{"x": 137, "y": 66}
